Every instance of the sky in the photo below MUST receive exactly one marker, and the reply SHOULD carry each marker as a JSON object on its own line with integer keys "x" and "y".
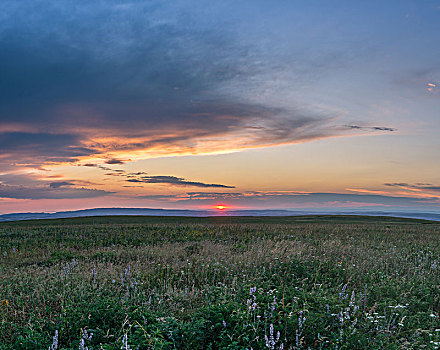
{"x": 325, "y": 105}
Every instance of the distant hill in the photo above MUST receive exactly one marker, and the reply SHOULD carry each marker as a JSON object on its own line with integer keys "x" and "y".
{"x": 142, "y": 211}
{"x": 205, "y": 213}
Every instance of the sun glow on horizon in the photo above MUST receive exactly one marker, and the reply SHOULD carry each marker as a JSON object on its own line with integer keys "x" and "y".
{"x": 220, "y": 207}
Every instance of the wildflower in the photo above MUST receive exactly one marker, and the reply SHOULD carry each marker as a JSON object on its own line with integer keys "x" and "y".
{"x": 125, "y": 345}
{"x": 271, "y": 341}
{"x": 54, "y": 345}
{"x": 342, "y": 293}
{"x": 93, "y": 274}
{"x": 352, "y": 299}
{"x": 82, "y": 345}
{"x": 85, "y": 336}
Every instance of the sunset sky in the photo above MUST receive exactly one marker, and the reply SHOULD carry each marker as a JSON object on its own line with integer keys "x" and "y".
{"x": 191, "y": 104}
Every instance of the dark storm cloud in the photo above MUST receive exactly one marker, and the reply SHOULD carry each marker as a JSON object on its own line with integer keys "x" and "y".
{"x": 148, "y": 72}
{"x": 176, "y": 181}
{"x": 24, "y": 192}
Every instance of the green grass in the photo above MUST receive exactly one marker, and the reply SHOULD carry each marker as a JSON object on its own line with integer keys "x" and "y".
{"x": 322, "y": 282}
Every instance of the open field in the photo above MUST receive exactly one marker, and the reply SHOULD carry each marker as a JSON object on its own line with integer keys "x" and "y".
{"x": 220, "y": 283}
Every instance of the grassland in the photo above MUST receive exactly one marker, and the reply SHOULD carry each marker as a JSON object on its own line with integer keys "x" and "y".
{"x": 220, "y": 283}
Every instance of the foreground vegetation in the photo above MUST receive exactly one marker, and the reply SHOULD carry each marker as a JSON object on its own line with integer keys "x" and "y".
{"x": 220, "y": 283}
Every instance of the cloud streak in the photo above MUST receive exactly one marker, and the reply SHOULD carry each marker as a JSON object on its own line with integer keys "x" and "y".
{"x": 114, "y": 161}
{"x": 418, "y": 186}
{"x": 175, "y": 181}
{"x": 370, "y": 128}
{"x": 59, "y": 184}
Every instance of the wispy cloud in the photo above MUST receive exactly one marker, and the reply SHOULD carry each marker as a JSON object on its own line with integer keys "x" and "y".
{"x": 418, "y": 186}
{"x": 294, "y": 199}
{"x": 49, "y": 192}
{"x": 38, "y": 185}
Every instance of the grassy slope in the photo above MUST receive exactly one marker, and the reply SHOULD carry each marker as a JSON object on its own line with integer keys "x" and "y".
{"x": 140, "y": 219}
{"x": 325, "y": 282}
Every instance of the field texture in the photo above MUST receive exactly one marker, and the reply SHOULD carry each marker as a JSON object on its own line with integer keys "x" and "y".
{"x": 220, "y": 283}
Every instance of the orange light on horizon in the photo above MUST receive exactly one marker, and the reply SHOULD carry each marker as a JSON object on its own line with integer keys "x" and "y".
{"x": 220, "y": 207}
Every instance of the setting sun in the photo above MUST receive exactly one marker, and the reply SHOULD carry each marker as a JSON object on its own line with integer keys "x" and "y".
{"x": 220, "y": 207}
